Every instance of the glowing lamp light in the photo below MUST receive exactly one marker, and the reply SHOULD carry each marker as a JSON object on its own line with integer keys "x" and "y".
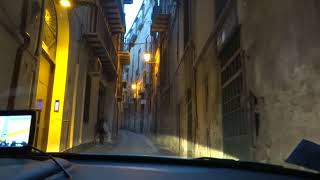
{"x": 65, "y": 3}
{"x": 147, "y": 57}
{"x": 133, "y": 86}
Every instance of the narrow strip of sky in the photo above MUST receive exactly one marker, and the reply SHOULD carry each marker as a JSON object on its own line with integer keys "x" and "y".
{"x": 131, "y": 11}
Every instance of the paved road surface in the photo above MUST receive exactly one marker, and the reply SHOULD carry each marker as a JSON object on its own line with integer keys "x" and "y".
{"x": 128, "y": 143}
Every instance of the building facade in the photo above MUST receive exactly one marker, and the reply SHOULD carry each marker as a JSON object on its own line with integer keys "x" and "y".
{"x": 236, "y": 78}
{"x": 64, "y": 62}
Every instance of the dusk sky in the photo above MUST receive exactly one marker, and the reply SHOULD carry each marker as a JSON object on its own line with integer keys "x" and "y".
{"x": 131, "y": 11}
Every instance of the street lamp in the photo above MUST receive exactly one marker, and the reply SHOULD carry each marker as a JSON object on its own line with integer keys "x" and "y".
{"x": 147, "y": 57}
{"x": 133, "y": 86}
{"x": 65, "y": 3}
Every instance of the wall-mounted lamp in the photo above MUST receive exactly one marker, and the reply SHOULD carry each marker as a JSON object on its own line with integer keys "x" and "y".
{"x": 147, "y": 57}
{"x": 65, "y": 3}
{"x": 133, "y": 86}
{"x": 56, "y": 106}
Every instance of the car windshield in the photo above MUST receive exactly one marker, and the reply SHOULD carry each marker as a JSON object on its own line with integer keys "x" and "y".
{"x": 227, "y": 79}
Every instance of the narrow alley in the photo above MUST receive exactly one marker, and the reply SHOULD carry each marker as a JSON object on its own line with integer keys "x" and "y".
{"x": 228, "y": 79}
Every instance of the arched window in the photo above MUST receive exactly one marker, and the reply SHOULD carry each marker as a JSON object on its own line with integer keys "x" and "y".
{"x": 50, "y": 29}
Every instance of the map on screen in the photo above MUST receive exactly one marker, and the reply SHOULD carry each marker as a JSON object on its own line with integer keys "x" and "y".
{"x": 14, "y": 130}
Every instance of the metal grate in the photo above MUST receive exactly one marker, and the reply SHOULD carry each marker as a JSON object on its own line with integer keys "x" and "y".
{"x": 234, "y": 114}
{"x": 236, "y": 128}
{"x": 232, "y": 69}
{"x": 50, "y": 28}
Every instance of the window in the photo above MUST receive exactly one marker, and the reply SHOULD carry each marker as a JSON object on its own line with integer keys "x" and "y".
{"x": 220, "y": 5}
{"x": 132, "y": 68}
{"x": 145, "y": 77}
{"x": 139, "y": 59}
{"x": 50, "y": 29}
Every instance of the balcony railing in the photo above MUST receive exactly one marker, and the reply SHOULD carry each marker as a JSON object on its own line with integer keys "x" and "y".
{"x": 160, "y": 20}
{"x": 103, "y": 27}
{"x": 113, "y": 11}
{"x": 99, "y": 38}
{"x": 130, "y": 39}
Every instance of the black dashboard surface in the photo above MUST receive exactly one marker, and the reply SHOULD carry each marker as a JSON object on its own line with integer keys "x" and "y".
{"x": 120, "y": 168}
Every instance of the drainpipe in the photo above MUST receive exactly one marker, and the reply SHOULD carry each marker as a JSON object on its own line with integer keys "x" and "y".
{"x": 18, "y": 58}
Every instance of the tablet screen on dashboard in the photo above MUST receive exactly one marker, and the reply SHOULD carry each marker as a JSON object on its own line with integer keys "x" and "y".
{"x": 15, "y": 129}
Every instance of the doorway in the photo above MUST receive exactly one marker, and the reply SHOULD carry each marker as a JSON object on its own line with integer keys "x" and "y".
{"x": 43, "y": 101}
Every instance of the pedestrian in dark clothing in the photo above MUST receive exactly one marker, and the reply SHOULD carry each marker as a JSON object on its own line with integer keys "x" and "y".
{"x": 99, "y": 131}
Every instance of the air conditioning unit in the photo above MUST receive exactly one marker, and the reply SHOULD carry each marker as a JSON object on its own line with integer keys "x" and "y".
{"x": 95, "y": 67}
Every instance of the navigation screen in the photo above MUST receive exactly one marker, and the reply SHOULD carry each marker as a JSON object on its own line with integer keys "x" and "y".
{"x": 14, "y": 130}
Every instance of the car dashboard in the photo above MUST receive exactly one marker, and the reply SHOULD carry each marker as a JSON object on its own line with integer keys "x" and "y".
{"x": 139, "y": 167}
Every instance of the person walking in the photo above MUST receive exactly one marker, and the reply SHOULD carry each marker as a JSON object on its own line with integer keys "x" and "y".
{"x": 107, "y": 131}
{"x": 99, "y": 131}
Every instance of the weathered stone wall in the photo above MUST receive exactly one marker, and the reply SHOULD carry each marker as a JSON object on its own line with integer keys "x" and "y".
{"x": 281, "y": 40}
{"x": 78, "y": 58}
{"x": 11, "y": 39}
{"x": 208, "y": 121}
{"x": 197, "y": 71}
{"x": 281, "y": 49}
{"x": 76, "y": 77}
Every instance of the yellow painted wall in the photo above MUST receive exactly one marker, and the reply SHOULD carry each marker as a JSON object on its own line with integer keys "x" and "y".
{"x": 157, "y": 59}
{"x": 59, "y": 83}
{"x": 156, "y": 68}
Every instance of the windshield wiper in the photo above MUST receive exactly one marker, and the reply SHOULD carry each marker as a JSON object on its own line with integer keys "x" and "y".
{"x": 212, "y": 159}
